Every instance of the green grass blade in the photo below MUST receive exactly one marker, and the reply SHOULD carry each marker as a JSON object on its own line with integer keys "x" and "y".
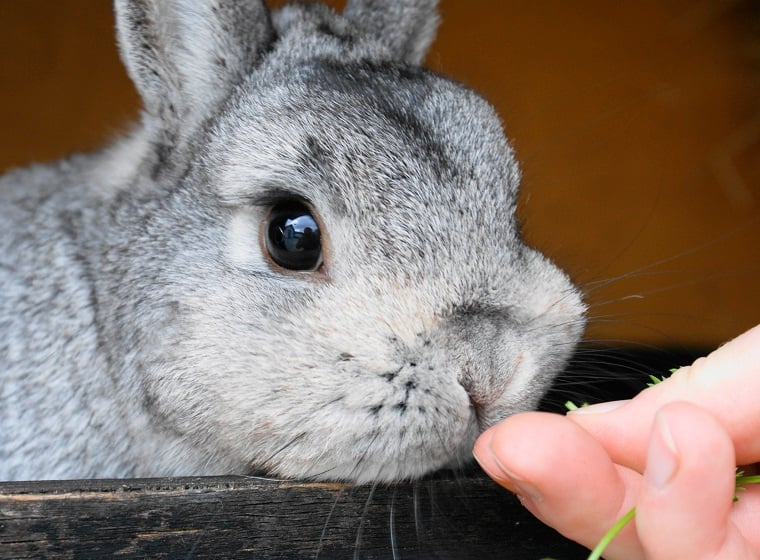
{"x": 596, "y": 554}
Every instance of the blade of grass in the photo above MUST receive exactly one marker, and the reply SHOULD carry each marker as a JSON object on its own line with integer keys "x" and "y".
{"x": 596, "y": 554}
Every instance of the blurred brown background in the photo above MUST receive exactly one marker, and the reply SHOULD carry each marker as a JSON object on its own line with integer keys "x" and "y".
{"x": 638, "y": 125}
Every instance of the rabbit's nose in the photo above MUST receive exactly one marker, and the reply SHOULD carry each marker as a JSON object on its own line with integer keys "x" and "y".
{"x": 478, "y": 342}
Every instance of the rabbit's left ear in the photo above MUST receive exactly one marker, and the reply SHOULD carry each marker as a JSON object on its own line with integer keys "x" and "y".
{"x": 407, "y": 26}
{"x": 186, "y": 56}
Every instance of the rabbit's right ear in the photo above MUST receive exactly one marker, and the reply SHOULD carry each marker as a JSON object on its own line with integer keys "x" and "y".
{"x": 185, "y": 56}
{"x": 407, "y": 27}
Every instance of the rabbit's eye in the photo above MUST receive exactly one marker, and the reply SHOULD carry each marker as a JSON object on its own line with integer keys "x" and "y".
{"x": 293, "y": 239}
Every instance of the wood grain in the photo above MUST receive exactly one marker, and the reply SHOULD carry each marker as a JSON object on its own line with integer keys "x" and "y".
{"x": 239, "y": 517}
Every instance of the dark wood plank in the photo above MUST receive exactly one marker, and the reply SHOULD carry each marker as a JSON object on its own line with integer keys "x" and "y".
{"x": 241, "y": 517}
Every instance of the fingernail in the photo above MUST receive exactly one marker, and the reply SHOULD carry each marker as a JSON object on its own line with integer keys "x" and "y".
{"x": 489, "y": 466}
{"x": 662, "y": 458}
{"x": 494, "y": 468}
{"x": 600, "y": 408}
{"x": 482, "y": 453}
{"x": 524, "y": 489}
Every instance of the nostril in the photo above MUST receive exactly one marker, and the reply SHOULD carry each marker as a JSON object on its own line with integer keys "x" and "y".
{"x": 476, "y": 384}
{"x": 477, "y": 409}
{"x": 478, "y": 400}
{"x": 485, "y": 390}
{"x": 465, "y": 378}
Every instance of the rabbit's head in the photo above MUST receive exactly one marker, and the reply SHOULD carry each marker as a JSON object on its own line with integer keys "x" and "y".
{"x": 325, "y": 275}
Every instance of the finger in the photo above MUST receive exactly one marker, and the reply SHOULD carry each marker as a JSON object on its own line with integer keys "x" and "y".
{"x": 746, "y": 514}
{"x": 686, "y": 496}
{"x": 726, "y": 382}
{"x": 563, "y": 476}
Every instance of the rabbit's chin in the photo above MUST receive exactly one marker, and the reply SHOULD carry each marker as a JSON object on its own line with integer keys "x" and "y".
{"x": 386, "y": 463}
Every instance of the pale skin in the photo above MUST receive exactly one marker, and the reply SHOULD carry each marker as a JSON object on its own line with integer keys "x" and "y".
{"x": 671, "y": 452}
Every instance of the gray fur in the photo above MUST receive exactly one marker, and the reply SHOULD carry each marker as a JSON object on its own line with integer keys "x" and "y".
{"x": 407, "y": 26}
{"x": 144, "y": 333}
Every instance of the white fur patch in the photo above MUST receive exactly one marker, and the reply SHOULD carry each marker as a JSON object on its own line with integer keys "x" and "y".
{"x": 243, "y": 248}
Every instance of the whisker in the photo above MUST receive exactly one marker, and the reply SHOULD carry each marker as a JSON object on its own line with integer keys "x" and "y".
{"x": 392, "y": 525}
{"x": 292, "y": 442}
{"x": 698, "y": 281}
{"x": 600, "y": 373}
{"x": 416, "y": 508}
{"x": 592, "y": 286}
{"x": 360, "y": 530}
{"x": 327, "y": 523}
{"x": 360, "y": 460}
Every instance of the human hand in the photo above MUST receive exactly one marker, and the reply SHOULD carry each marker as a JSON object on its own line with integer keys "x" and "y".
{"x": 670, "y": 452}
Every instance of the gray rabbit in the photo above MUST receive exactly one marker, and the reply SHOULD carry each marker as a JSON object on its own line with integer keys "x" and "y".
{"x": 304, "y": 260}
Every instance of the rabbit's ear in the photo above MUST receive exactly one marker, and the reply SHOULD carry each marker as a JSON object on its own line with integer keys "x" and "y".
{"x": 184, "y": 57}
{"x": 407, "y": 26}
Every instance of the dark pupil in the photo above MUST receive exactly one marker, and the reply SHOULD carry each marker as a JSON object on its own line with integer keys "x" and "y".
{"x": 293, "y": 237}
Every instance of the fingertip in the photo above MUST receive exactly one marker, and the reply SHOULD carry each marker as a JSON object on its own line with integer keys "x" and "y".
{"x": 563, "y": 476}
{"x": 662, "y": 457}
{"x": 687, "y": 441}
{"x": 482, "y": 442}
{"x": 487, "y": 460}
{"x": 501, "y": 446}
{"x": 686, "y": 495}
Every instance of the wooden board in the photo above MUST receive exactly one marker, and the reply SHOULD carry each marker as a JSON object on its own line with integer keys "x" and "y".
{"x": 242, "y": 517}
